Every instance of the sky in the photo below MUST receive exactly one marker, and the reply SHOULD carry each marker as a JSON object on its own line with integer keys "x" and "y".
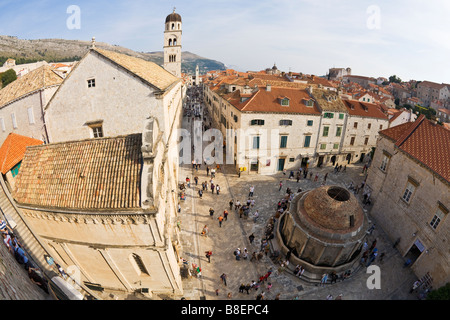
{"x": 376, "y": 38}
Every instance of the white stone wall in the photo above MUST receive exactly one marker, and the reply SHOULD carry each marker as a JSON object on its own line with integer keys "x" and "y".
{"x": 119, "y": 98}
{"x": 360, "y": 134}
{"x": 20, "y": 107}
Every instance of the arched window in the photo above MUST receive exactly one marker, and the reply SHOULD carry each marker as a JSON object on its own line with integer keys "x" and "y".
{"x": 178, "y": 26}
{"x": 170, "y": 42}
{"x": 174, "y": 42}
{"x": 173, "y": 26}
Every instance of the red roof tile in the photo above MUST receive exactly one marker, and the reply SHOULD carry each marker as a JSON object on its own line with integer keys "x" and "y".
{"x": 426, "y": 142}
{"x": 92, "y": 174}
{"x": 13, "y": 150}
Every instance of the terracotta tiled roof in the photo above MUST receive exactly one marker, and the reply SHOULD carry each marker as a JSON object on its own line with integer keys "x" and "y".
{"x": 364, "y": 109}
{"x": 93, "y": 174}
{"x": 13, "y": 150}
{"x": 39, "y": 78}
{"x": 149, "y": 71}
{"x": 426, "y": 142}
{"x": 268, "y": 101}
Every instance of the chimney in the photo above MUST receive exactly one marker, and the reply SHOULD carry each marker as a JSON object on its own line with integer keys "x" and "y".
{"x": 268, "y": 87}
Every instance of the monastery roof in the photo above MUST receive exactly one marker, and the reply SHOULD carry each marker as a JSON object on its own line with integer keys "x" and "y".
{"x": 426, "y": 142}
{"x": 39, "y": 78}
{"x": 268, "y": 101}
{"x": 13, "y": 150}
{"x": 147, "y": 70}
{"x": 92, "y": 174}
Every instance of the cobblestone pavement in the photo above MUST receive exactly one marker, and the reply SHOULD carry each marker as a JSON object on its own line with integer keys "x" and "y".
{"x": 396, "y": 281}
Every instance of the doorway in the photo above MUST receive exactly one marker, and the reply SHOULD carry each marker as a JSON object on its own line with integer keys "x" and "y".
{"x": 333, "y": 160}
{"x": 320, "y": 161}
{"x": 304, "y": 163}
{"x": 281, "y": 162}
{"x": 415, "y": 251}
{"x": 348, "y": 158}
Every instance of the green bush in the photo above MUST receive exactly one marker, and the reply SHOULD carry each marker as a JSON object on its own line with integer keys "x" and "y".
{"x": 443, "y": 293}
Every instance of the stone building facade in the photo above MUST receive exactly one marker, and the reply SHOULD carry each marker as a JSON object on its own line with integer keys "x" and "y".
{"x": 23, "y": 101}
{"x": 409, "y": 181}
{"x": 104, "y": 205}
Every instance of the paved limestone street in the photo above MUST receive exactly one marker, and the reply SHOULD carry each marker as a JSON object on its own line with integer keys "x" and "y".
{"x": 395, "y": 280}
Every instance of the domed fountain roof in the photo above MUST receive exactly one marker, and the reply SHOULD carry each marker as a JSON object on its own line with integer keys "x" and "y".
{"x": 331, "y": 209}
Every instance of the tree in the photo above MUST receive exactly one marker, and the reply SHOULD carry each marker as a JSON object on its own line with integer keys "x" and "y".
{"x": 394, "y": 78}
{"x": 443, "y": 293}
{"x": 7, "y": 77}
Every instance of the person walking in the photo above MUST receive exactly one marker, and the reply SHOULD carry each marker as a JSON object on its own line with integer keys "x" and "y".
{"x": 205, "y": 231}
{"x": 252, "y": 189}
{"x": 324, "y": 279}
{"x": 200, "y": 194}
{"x": 217, "y": 189}
{"x": 223, "y": 278}
{"x": 208, "y": 255}
{"x": 220, "y": 218}
{"x": 251, "y": 238}
{"x": 281, "y": 185}
{"x": 255, "y": 216}
{"x": 225, "y": 215}
{"x": 211, "y": 212}
{"x": 231, "y": 204}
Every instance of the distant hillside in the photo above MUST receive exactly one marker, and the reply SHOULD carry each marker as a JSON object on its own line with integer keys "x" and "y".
{"x": 60, "y": 50}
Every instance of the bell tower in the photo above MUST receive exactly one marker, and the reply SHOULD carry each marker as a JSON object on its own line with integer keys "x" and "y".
{"x": 172, "y": 44}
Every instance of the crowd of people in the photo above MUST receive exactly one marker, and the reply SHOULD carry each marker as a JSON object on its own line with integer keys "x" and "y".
{"x": 21, "y": 256}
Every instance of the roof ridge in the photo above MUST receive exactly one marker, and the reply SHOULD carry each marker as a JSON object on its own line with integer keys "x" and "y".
{"x": 410, "y": 131}
{"x": 250, "y": 99}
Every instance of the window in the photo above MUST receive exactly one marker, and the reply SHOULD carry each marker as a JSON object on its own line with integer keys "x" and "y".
{"x": 381, "y": 126}
{"x": 385, "y": 162}
{"x": 256, "y": 142}
{"x": 285, "y": 122}
{"x": 409, "y": 190}
{"x": 369, "y": 126}
{"x": 366, "y": 141}
{"x": 138, "y": 264}
{"x": 30, "y": 115}
{"x": 341, "y": 116}
{"x": 355, "y": 125}
{"x": 352, "y": 141}
{"x": 91, "y": 83}
{"x": 291, "y": 159}
{"x": 307, "y": 141}
{"x": 14, "y": 122}
{"x": 336, "y": 146}
{"x": 283, "y": 142}
{"x": 309, "y": 103}
{"x": 439, "y": 216}
{"x": 325, "y": 131}
{"x": 323, "y": 146}
{"x": 257, "y": 122}
{"x": 338, "y": 131}
{"x": 328, "y": 115}
{"x": 285, "y": 102}
{"x": 309, "y": 123}
{"x": 97, "y": 132}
